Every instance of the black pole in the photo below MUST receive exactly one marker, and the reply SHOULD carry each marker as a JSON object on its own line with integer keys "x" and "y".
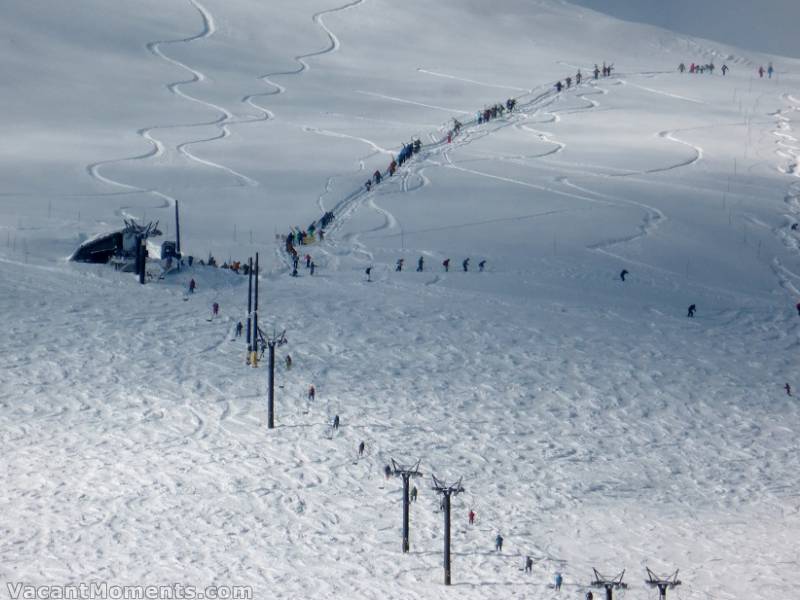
{"x": 405, "y": 512}
{"x": 446, "y": 499}
{"x": 255, "y": 316}
{"x": 609, "y": 592}
{"x": 142, "y": 250}
{"x": 177, "y": 232}
{"x": 249, "y": 304}
{"x": 137, "y": 265}
{"x": 662, "y": 592}
{"x": 271, "y": 396}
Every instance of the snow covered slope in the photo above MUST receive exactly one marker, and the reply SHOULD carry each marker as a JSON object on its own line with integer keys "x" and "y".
{"x": 593, "y": 423}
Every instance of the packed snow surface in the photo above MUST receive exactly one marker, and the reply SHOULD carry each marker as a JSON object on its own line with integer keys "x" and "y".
{"x": 593, "y": 423}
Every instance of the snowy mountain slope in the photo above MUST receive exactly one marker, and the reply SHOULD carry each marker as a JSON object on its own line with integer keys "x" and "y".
{"x": 594, "y": 425}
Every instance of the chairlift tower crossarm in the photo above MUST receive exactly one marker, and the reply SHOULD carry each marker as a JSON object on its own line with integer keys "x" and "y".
{"x": 663, "y": 583}
{"x": 608, "y": 583}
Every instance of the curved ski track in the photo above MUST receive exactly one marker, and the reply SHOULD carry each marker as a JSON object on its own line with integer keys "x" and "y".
{"x": 157, "y": 147}
{"x": 333, "y": 45}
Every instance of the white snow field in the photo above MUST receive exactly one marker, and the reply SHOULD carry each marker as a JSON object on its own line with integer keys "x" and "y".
{"x": 593, "y": 423}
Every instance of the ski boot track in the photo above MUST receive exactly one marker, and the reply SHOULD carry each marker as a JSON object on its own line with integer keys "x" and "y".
{"x": 788, "y": 151}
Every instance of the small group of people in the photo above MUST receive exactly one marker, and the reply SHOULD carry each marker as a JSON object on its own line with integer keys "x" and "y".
{"x": 303, "y": 237}
{"x": 421, "y": 265}
{"x": 769, "y": 71}
{"x": 696, "y": 68}
{"x": 234, "y": 265}
{"x": 606, "y": 70}
{"x": 406, "y": 152}
{"x": 568, "y": 81}
{"x": 492, "y": 112}
{"x": 309, "y": 262}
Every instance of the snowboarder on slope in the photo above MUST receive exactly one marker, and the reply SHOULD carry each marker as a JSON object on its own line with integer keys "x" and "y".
{"x": 481, "y": 265}
{"x": 692, "y": 309}
{"x": 335, "y": 424}
{"x": 414, "y": 494}
{"x": 387, "y": 471}
{"x": 798, "y": 308}
{"x": 399, "y": 266}
{"x": 215, "y": 309}
{"x": 528, "y": 564}
{"x": 471, "y": 517}
{"x": 311, "y": 393}
{"x": 589, "y": 595}
{"x": 239, "y": 328}
{"x": 446, "y": 265}
{"x": 368, "y": 271}
{"x": 288, "y": 362}
{"x": 465, "y": 265}
{"x": 559, "y": 581}
{"x": 420, "y": 264}
{"x": 312, "y": 267}
{"x": 623, "y": 274}
{"x": 498, "y": 543}
{"x": 725, "y": 70}
{"x": 788, "y": 389}
{"x": 308, "y": 260}
{"x": 361, "y": 449}
{"x": 770, "y": 70}
{"x": 192, "y": 285}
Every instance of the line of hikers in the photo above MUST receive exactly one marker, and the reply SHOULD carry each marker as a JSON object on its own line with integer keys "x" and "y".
{"x": 488, "y": 113}
{"x": 695, "y": 68}
{"x": 406, "y": 152}
{"x": 398, "y": 267}
{"x": 606, "y": 71}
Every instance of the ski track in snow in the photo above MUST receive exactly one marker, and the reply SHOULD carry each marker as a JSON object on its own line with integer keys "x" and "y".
{"x": 482, "y": 83}
{"x": 157, "y": 147}
{"x": 333, "y": 46}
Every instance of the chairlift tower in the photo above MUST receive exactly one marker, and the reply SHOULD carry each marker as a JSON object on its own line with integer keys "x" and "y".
{"x": 254, "y": 345}
{"x": 272, "y": 341}
{"x": 446, "y": 491}
{"x": 406, "y": 473}
{"x": 662, "y": 583}
{"x": 249, "y": 308}
{"x": 609, "y": 583}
